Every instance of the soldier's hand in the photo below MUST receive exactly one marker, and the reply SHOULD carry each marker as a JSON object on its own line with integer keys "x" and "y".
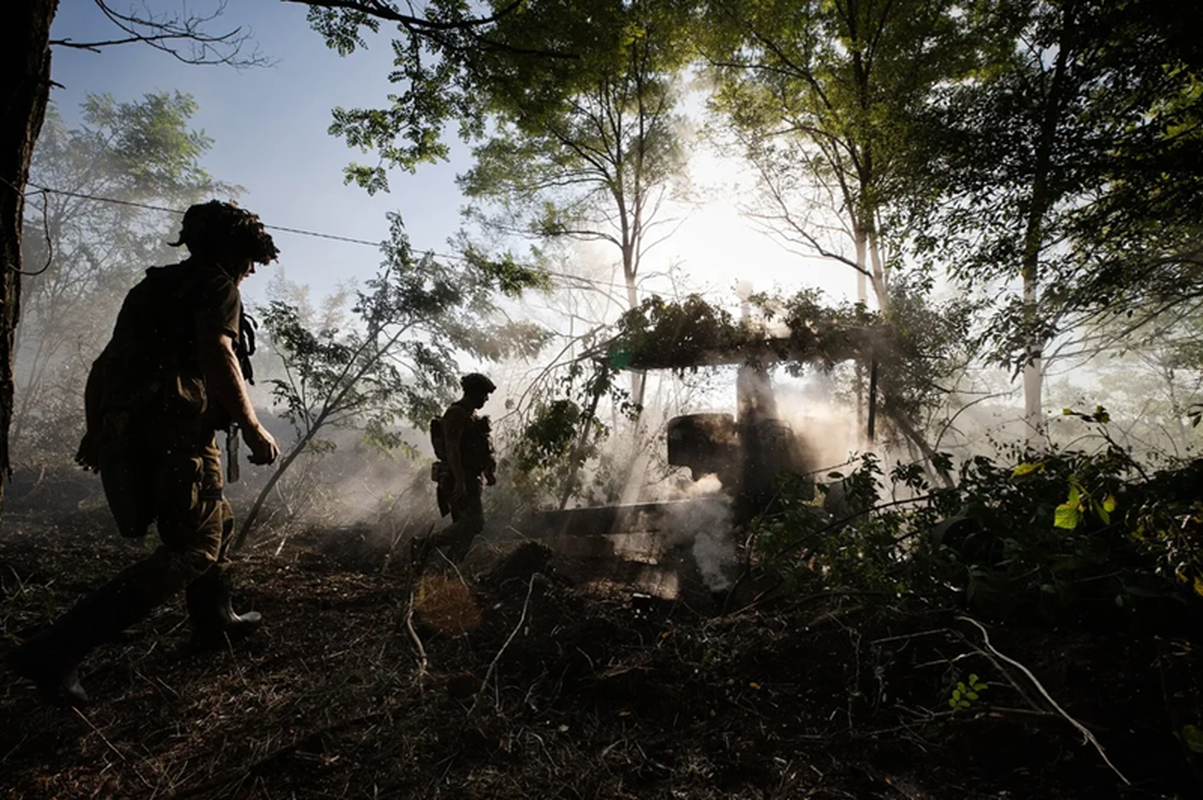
{"x": 263, "y": 446}
{"x": 88, "y": 455}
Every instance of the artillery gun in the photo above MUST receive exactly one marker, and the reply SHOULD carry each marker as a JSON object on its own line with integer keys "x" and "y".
{"x": 747, "y": 451}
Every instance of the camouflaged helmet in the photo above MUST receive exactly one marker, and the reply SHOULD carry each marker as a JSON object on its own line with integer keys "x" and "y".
{"x": 216, "y": 225}
{"x": 475, "y": 383}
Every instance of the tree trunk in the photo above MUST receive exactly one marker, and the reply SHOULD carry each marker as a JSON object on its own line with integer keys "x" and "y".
{"x": 862, "y": 296}
{"x": 1040, "y": 204}
{"x": 1033, "y": 368}
{"x": 24, "y": 93}
{"x": 253, "y": 515}
{"x": 916, "y": 438}
{"x": 578, "y": 451}
{"x": 881, "y": 284}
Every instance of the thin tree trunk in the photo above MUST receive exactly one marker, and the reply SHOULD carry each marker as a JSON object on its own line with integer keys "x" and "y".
{"x": 24, "y": 93}
{"x": 1033, "y": 368}
{"x": 914, "y": 437}
{"x": 881, "y": 286}
{"x": 578, "y": 453}
{"x": 1042, "y": 199}
{"x": 630, "y": 268}
{"x": 862, "y": 296}
{"x": 253, "y": 515}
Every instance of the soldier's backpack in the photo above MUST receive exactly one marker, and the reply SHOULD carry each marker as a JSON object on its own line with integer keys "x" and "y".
{"x": 436, "y": 439}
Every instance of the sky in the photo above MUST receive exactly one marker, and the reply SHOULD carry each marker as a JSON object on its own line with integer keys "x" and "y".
{"x": 269, "y": 128}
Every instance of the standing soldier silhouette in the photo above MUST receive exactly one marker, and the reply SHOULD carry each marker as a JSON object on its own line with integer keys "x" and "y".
{"x": 169, "y": 378}
{"x": 465, "y": 451}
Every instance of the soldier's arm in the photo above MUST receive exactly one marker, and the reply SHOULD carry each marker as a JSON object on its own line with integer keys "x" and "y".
{"x": 223, "y": 382}
{"x": 223, "y": 376}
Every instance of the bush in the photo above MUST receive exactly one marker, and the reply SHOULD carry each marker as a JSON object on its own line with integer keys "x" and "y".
{"x": 1063, "y": 537}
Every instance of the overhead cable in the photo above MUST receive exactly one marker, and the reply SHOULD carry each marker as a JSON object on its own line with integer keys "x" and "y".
{"x": 298, "y": 231}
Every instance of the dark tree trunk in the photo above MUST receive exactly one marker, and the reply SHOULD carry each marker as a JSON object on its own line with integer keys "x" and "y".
{"x": 24, "y": 93}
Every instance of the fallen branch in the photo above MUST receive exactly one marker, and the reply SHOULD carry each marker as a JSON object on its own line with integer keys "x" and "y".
{"x": 417, "y": 640}
{"x": 484, "y": 684}
{"x": 1090, "y": 737}
{"x": 997, "y": 664}
{"x": 1022, "y": 712}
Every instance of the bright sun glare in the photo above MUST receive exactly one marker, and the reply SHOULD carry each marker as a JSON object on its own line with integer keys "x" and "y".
{"x": 718, "y": 246}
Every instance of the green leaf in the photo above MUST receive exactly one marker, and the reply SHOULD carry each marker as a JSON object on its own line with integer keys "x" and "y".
{"x": 1067, "y": 516}
{"x": 1027, "y": 469}
{"x": 1192, "y": 737}
{"x": 1109, "y": 503}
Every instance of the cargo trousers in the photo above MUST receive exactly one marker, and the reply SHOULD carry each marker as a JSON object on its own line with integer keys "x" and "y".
{"x": 164, "y": 470}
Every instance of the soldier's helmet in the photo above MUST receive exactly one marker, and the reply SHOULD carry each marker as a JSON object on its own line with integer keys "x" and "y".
{"x": 476, "y": 384}
{"x": 224, "y": 226}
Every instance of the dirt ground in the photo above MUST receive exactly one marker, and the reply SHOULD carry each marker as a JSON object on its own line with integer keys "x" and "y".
{"x": 509, "y": 682}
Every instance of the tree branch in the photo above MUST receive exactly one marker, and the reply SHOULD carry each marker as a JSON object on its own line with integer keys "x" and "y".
{"x": 170, "y": 33}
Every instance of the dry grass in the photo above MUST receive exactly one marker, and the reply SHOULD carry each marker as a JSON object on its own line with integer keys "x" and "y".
{"x": 524, "y": 687}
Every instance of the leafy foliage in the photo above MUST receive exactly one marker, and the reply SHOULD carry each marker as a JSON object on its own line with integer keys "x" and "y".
{"x": 569, "y": 106}
{"x": 819, "y": 96}
{"x": 87, "y": 254}
{"x": 1066, "y": 537}
{"x": 966, "y": 693}
{"x": 563, "y": 431}
{"x": 917, "y": 342}
{"x": 1053, "y": 162}
{"x": 686, "y": 329}
{"x": 397, "y": 361}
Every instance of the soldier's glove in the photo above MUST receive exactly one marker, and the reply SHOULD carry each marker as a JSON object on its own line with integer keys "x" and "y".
{"x": 88, "y": 454}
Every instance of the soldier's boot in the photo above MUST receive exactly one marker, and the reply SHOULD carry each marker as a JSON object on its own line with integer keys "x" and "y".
{"x": 453, "y": 542}
{"x": 210, "y": 611}
{"x": 54, "y": 672}
{"x": 50, "y": 660}
{"x": 458, "y": 544}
